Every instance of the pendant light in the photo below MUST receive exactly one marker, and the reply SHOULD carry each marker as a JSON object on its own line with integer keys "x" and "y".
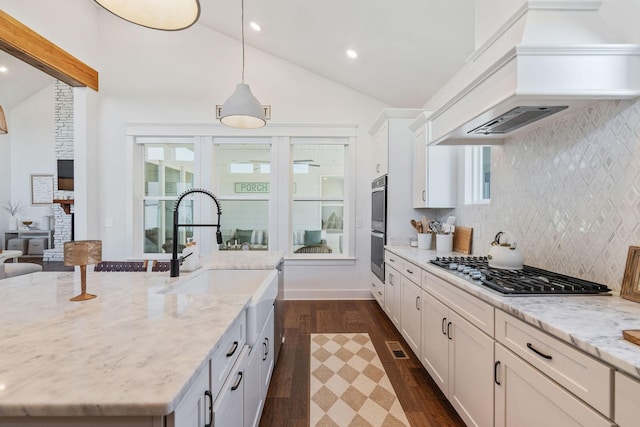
{"x": 3, "y": 122}
{"x": 242, "y": 109}
{"x": 170, "y": 15}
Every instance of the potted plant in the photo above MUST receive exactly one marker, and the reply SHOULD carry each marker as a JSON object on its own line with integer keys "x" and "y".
{"x": 13, "y": 209}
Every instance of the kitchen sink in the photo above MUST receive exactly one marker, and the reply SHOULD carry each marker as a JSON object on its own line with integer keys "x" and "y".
{"x": 261, "y": 285}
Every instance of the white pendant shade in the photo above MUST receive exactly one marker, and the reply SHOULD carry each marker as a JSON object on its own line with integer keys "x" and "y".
{"x": 242, "y": 110}
{"x": 156, "y": 14}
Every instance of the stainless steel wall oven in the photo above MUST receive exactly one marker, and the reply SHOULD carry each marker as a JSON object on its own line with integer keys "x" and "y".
{"x": 378, "y": 225}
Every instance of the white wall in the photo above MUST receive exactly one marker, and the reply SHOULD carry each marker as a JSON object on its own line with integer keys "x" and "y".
{"x": 149, "y": 76}
{"x": 32, "y": 150}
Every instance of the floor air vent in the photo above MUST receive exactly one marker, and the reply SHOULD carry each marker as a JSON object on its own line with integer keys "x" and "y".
{"x": 396, "y": 350}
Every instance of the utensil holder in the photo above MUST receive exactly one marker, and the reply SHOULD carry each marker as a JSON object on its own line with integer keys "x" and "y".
{"x": 444, "y": 242}
{"x": 424, "y": 240}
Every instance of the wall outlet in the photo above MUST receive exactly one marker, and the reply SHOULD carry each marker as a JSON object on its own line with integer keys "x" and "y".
{"x": 108, "y": 222}
{"x": 358, "y": 223}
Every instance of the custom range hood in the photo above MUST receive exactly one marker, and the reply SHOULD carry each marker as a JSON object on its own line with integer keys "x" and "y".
{"x": 550, "y": 58}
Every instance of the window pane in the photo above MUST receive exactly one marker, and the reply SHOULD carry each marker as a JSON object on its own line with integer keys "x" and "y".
{"x": 158, "y": 225}
{"x": 244, "y": 169}
{"x": 318, "y": 170}
{"x": 245, "y": 221}
{"x": 168, "y": 169}
{"x": 486, "y": 172}
{"x": 318, "y": 224}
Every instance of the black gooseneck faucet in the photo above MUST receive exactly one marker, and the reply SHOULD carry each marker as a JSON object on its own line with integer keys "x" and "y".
{"x": 175, "y": 261}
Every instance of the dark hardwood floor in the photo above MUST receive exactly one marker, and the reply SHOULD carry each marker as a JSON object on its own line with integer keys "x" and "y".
{"x": 287, "y": 402}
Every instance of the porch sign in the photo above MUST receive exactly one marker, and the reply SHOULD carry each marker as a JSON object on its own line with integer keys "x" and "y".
{"x": 256, "y": 187}
{"x": 252, "y": 187}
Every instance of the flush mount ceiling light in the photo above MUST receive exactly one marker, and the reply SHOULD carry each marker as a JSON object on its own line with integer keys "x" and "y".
{"x": 352, "y": 53}
{"x": 255, "y": 26}
{"x": 169, "y": 15}
{"x": 242, "y": 109}
{"x": 3, "y": 122}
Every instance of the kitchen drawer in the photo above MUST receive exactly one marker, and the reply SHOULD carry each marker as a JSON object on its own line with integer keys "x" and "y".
{"x": 412, "y": 272}
{"x": 581, "y": 374}
{"x": 226, "y": 353}
{"x": 377, "y": 289}
{"x": 393, "y": 260}
{"x": 475, "y": 311}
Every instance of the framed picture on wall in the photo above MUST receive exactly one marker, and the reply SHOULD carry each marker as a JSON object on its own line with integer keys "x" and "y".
{"x": 41, "y": 189}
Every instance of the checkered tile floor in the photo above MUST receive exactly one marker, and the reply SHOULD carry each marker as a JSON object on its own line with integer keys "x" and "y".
{"x": 349, "y": 386}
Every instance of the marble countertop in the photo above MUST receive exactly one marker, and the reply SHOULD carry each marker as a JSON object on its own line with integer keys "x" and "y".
{"x": 592, "y": 323}
{"x": 244, "y": 260}
{"x": 130, "y": 351}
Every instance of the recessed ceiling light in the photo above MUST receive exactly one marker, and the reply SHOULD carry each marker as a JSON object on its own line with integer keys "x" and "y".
{"x": 352, "y": 53}
{"x": 255, "y": 26}
{"x": 3, "y": 69}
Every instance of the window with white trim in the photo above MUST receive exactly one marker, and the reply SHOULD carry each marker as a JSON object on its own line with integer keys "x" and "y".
{"x": 318, "y": 195}
{"x": 168, "y": 171}
{"x": 477, "y": 175}
{"x": 272, "y": 188}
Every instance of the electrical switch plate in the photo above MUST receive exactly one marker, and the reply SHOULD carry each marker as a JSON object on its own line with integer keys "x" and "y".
{"x": 108, "y": 222}
{"x": 358, "y": 223}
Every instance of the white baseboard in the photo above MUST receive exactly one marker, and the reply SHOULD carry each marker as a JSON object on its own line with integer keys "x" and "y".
{"x": 327, "y": 294}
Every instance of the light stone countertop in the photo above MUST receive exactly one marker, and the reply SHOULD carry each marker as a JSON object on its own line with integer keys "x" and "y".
{"x": 130, "y": 351}
{"x": 592, "y": 323}
{"x": 244, "y": 260}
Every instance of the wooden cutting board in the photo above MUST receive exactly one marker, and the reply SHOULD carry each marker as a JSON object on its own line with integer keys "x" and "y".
{"x": 632, "y": 335}
{"x": 462, "y": 239}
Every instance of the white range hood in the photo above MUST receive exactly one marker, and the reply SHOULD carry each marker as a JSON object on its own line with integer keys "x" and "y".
{"x": 550, "y": 58}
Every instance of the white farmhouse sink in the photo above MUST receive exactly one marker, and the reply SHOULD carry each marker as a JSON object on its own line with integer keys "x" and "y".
{"x": 261, "y": 285}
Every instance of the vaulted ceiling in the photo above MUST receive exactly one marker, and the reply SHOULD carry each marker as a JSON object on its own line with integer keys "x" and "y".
{"x": 406, "y": 49}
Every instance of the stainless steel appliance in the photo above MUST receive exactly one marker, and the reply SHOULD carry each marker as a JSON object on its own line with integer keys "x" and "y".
{"x": 528, "y": 281}
{"x": 378, "y": 225}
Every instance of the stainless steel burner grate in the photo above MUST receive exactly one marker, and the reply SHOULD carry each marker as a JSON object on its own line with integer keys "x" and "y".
{"x": 528, "y": 281}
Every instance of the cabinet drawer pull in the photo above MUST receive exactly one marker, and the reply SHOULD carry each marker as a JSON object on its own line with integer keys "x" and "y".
{"x": 234, "y": 347}
{"x": 266, "y": 348}
{"x": 409, "y": 271}
{"x": 546, "y": 356}
{"x": 237, "y": 384}
{"x": 379, "y": 293}
{"x": 391, "y": 279}
{"x": 444, "y": 332}
{"x": 418, "y": 303}
{"x": 495, "y": 373}
{"x": 424, "y": 195}
{"x": 209, "y": 397}
{"x": 449, "y": 331}
{"x": 392, "y": 260}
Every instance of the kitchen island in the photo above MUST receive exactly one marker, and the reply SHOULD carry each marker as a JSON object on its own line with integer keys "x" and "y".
{"x": 128, "y": 355}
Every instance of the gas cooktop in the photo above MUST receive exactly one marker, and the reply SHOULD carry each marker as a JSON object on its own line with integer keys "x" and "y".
{"x": 528, "y": 281}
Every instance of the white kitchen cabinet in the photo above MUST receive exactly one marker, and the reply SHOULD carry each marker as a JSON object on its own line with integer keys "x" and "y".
{"x": 459, "y": 357}
{"x": 410, "y": 313}
{"x": 377, "y": 289}
{"x": 435, "y": 170}
{"x": 527, "y": 398}
{"x": 193, "y": 409}
{"x": 381, "y": 150}
{"x": 228, "y": 408}
{"x": 258, "y": 374}
{"x": 627, "y": 400}
{"x": 393, "y": 280}
{"x": 582, "y": 375}
{"x": 434, "y": 353}
{"x": 268, "y": 360}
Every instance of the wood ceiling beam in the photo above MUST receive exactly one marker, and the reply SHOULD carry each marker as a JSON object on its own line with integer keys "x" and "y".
{"x": 25, "y": 44}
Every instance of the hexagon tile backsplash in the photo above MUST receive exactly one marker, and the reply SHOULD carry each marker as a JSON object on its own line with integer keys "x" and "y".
{"x": 570, "y": 191}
